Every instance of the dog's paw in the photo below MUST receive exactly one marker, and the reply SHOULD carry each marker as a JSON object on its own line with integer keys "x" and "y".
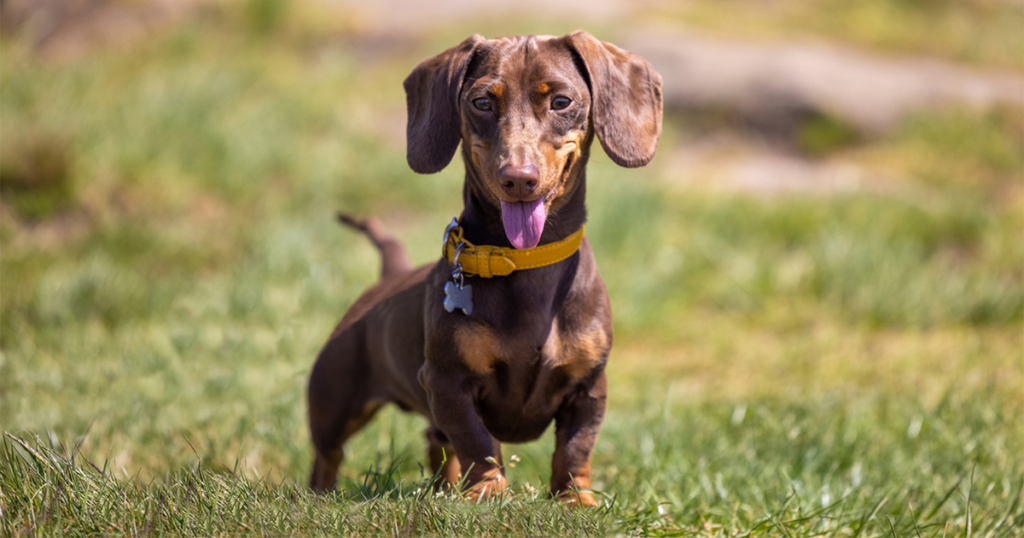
{"x": 491, "y": 487}
{"x": 577, "y": 498}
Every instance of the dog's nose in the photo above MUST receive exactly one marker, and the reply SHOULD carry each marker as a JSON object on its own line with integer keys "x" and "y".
{"x": 519, "y": 180}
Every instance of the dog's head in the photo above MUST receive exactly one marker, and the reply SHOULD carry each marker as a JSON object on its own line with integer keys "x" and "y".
{"x": 526, "y": 110}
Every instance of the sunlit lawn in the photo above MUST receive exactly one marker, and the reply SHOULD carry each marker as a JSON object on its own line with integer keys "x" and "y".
{"x": 800, "y": 365}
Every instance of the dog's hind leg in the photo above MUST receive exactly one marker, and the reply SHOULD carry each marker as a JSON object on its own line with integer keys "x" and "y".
{"x": 341, "y": 401}
{"x": 394, "y": 259}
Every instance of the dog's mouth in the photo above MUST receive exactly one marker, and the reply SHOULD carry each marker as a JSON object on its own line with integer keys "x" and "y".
{"x": 524, "y": 222}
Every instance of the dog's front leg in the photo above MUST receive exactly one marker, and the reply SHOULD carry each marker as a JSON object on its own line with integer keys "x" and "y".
{"x": 479, "y": 454}
{"x": 576, "y": 427}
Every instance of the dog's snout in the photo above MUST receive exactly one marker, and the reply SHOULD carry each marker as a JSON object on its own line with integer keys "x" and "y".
{"x": 519, "y": 180}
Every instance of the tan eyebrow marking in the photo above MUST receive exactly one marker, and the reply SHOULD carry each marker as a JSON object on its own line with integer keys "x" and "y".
{"x": 498, "y": 90}
{"x": 543, "y": 88}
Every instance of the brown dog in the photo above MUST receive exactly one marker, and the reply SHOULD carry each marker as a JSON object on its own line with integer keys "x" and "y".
{"x": 532, "y": 345}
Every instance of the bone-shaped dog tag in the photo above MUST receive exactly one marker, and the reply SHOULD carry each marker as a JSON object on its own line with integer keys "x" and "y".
{"x": 458, "y": 297}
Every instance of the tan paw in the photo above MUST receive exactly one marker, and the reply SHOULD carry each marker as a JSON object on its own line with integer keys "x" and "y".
{"x": 492, "y": 487}
{"x": 577, "y": 498}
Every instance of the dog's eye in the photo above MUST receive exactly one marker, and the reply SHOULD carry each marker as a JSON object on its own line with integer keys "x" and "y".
{"x": 558, "y": 103}
{"x": 482, "y": 103}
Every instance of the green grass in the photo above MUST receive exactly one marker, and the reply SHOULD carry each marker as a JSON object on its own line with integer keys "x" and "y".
{"x": 836, "y": 467}
{"x": 803, "y": 365}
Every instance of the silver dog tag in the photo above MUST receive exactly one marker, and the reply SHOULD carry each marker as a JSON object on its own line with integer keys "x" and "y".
{"x": 460, "y": 297}
{"x": 456, "y": 293}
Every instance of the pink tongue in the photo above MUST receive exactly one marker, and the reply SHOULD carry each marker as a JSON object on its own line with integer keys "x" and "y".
{"x": 524, "y": 222}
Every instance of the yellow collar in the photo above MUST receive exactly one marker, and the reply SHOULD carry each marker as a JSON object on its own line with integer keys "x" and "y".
{"x": 488, "y": 260}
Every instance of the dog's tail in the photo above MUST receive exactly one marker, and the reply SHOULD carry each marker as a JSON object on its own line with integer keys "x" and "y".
{"x": 394, "y": 259}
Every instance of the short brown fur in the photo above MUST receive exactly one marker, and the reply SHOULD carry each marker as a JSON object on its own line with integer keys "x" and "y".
{"x": 535, "y": 347}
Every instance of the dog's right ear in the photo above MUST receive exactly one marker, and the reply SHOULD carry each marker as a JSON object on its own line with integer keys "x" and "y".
{"x": 432, "y": 100}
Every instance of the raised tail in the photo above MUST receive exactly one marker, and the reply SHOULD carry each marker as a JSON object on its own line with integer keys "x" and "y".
{"x": 394, "y": 259}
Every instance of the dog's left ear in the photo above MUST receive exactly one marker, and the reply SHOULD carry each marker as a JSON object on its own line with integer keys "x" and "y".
{"x": 626, "y": 99}
{"x": 432, "y": 100}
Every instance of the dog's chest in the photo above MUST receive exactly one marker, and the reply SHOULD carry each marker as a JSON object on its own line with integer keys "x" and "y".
{"x": 527, "y": 384}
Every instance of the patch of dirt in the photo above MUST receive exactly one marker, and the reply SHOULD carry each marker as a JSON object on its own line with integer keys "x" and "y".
{"x": 779, "y": 83}
{"x": 735, "y": 164}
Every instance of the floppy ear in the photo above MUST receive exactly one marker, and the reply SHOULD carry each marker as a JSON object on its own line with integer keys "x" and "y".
{"x": 432, "y": 99}
{"x": 625, "y": 92}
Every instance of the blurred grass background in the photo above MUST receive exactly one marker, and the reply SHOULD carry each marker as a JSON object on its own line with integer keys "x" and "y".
{"x": 170, "y": 266}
